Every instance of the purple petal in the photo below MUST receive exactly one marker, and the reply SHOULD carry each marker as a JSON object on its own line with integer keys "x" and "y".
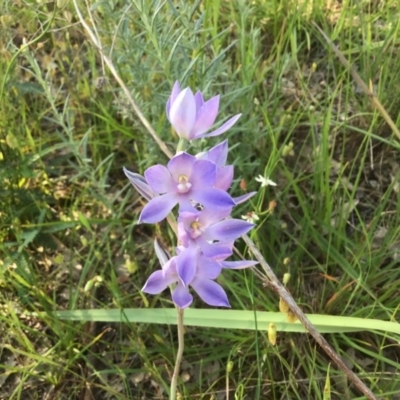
{"x": 181, "y": 296}
{"x": 185, "y": 204}
{"x": 182, "y": 113}
{"x": 188, "y": 217}
{"x": 159, "y": 179}
{"x": 161, "y": 254}
{"x": 175, "y": 91}
{"x": 225, "y": 245}
{"x": 223, "y": 128}
{"x": 218, "y": 154}
{"x": 224, "y": 177}
{"x": 199, "y": 100}
{"x": 203, "y": 174}
{"x": 243, "y": 198}
{"x": 210, "y": 292}
{"x": 205, "y": 116}
{"x": 183, "y": 236}
{"x": 213, "y": 250}
{"x": 181, "y": 164}
{"x": 215, "y": 199}
{"x": 229, "y": 229}
{"x": 210, "y": 269}
{"x": 208, "y": 217}
{"x": 158, "y": 208}
{"x": 238, "y": 264}
{"x": 158, "y": 282}
{"x": 186, "y": 265}
{"x": 140, "y": 184}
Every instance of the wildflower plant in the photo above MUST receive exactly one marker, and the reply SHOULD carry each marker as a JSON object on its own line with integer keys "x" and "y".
{"x": 196, "y": 186}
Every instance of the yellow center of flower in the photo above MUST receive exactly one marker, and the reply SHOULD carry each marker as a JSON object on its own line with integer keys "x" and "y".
{"x": 196, "y": 229}
{"x": 183, "y": 184}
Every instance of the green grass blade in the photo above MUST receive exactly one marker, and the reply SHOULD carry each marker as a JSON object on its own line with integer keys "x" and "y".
{"x": 231, "y": 319}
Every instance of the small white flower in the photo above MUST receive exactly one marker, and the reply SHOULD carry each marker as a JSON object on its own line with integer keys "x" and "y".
{"x": 251, "y": 217}
{"x": 265, "y": 181}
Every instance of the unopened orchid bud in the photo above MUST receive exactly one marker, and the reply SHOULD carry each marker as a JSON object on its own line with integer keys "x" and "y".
{"x": 192, "y": 117}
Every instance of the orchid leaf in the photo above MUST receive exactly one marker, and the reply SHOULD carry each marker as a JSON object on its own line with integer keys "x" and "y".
{"x": 231, "y": 319}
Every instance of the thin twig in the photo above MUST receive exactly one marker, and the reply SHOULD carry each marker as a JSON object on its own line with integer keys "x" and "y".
{"x": 364, "y": 87}
{"x": 277, "y": 286}
{"x": 110, "y": 65}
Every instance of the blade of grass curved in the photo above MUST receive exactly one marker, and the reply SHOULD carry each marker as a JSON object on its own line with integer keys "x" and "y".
{"x": 231, "y": 319}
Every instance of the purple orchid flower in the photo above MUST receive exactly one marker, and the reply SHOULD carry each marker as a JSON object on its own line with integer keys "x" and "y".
{"x": 205, "y": 227}
{"x": 189, "y": 269}
{"x": 185, "y": 179}
{"x": 192, "y": 117}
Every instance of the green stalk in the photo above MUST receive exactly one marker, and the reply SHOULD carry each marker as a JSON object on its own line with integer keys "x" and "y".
{"x": 179, "y": 354}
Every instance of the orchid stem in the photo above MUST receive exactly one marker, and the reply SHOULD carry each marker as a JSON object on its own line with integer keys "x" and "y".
{"x": 182, "y": 145}
{"x": 179, "y": 354}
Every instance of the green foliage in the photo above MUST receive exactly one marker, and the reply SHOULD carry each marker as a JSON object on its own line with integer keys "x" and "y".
{"x": 68, "y": 234}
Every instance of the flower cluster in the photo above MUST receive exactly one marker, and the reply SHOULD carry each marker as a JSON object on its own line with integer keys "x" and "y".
{"x": 198, "y": 186}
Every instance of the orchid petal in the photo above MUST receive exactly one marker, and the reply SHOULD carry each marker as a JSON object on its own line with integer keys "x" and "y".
{"x": 199, "y": 100}
{"x": 176, "y": 89}
{"x": 218, "y": 154}
{"x": 157, "y": 282}
{"x": 158, "y": 208}
{"x": 223, "y": 128}
{"x": 182, "y": 113}
{"x": 238, "y": 264}
{"x": 181, "y": 164}
{"x": 213, "y": 198}
{"x": 243, "y": 198}
{"x": 162, "y": 255}
{"x": 210, "y": 292}
{"x": 229, "y": 229}
{"x": 208, "y": 268}
{"x": 159, "y": 179}
{"x": 205, "y": 116}
{"x": 140, "y": 184}
{"x": 183, "y": 235}
{"x": 213, "y": 250}
{"x": 208, "y": 217}
{"x": 224, "y": 177}
{"x": 186, "y": 264}
{"x": 224, "y": 246}
{"x": 181, "y": 296}
{"x": 185, "y": 204}
{"x": 203, "y": 174}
